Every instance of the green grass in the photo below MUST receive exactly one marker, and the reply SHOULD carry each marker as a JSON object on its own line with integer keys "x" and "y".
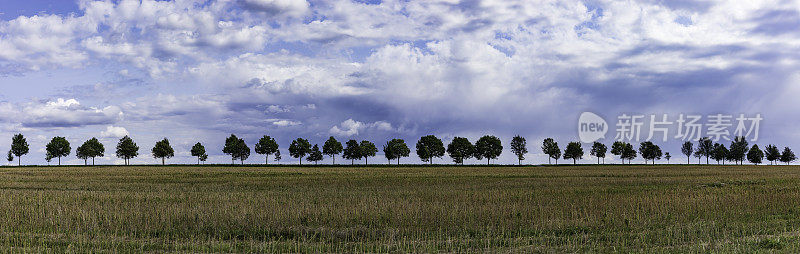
{"x": 401, "y": 209}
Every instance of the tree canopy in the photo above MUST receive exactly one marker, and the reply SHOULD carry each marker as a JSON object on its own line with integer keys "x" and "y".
{"x": 705, "y": 147}
{"x": 299, "y": 148}
{"x": 396, "y": 149}
{"x": 460, "y": 149}
{"x": 519, "y": 147}
{"x": 266, "y": 146}
{"x": 57, "y": 148}
{"x": 127, "y": 149}
{"x": 738, "y": 149}
{"x": 199, "y": 151}
{"x": 163, "y": 150}
{"x": 599, "y": 150}
{"x": 236, "y": 148}
{"x": 489, "y": 147}
{"x": 772, "y": 153}
{"x": 315, "y": 155}
{"x": 368, "y": 149}
{"x": 649, "y": 151}
{"x": 550, "y": 147}
{"x": 352, "y": 151}
{"x": 687, "y": 149}
{"x": 331, "y": 148}
{"x": 787, "y": 156}
{"x": 755, "y": 155}
{"x": 429, "y": 147}
{"x": 19, "y": 147}
{"x": 573, "y": 151}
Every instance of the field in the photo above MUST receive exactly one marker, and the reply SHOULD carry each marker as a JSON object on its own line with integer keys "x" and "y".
{"x": 400, "y": 209}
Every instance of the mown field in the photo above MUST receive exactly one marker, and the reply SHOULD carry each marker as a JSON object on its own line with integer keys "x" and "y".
{"x": 401, "y": 209}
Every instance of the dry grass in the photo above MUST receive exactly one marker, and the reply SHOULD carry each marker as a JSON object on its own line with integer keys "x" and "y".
{"x": 405, "y": 209}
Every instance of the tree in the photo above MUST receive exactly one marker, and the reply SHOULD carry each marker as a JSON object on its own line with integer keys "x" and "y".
{"x": 429, "y": 147}
{"x": 94, "y": 149}
{"x": 650, "y": 151}
{"x": 705, "y": 147}
{"x": 720, "y": 152}
{"x": 396, "y": 149}
{"x": 315, "y": 155}
{"x": 299, "y": 148}
{"x": 278, "y": 155}
{"x": 550, "y": 147}
{"x": 772, "y": 153}
{"x": 199, "y": 151}
{"x": 82, "y": 153}
{"x": 667, "y": 156}
{"x": 162, "y": 150}
{"x": 368, "y": 149}
{"x": 231, "y": 147}
{"x": 687, "y": 150}
{"x": 266, "y": 146}
{"x": 618, "y": 149}
{"x": 331, "y": 148}
{"x": 127, "y": 149}
{"x": 352, "y": 152}
{"x": 460, "y": 149}
{"x": 599, "y": 151}
{"x": 243, "y": 151}
{"x": 755, "y": 155}
{"x": 628, "y": 153}
{"x": 519, "y": 147}
{"x": 10, "y": 156}
{"x": 57, "y": 148}
{"x": 489, "y": 147}
{"x": 787, "y": 155}
{"x": 19, "y": 147}
{"x": 236, "y": 148}
{"x": 738, "y": 149}
{"x": 574, "y": 151}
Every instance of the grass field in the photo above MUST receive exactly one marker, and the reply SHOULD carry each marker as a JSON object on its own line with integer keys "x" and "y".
{"x": 401, "y": 209}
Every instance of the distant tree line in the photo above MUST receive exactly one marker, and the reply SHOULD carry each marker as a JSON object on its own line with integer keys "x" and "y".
{"x": 428, "y": 148}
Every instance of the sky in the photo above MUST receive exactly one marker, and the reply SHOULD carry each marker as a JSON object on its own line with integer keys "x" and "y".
{"x": 198, "y": 71}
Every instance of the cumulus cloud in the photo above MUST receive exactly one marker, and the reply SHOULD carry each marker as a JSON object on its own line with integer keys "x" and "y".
{"x": 285, "y": 123}
{"x": 114, "y": 132}
{"x": 351, "y": 127}
{"x": 59, "y": 113}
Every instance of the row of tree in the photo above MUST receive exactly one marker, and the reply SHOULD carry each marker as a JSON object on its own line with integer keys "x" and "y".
{"x": 427, "y": 148}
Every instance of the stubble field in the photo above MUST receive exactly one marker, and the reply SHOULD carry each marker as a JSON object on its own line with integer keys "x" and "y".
{"x": 675, "y": 208}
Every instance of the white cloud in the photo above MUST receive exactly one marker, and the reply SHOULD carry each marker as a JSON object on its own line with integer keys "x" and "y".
{"x": 114, "y": 132}
{"x": 351, "y": 127}
{"x": 285, "y": 123}
{"x": 58, "y": 113}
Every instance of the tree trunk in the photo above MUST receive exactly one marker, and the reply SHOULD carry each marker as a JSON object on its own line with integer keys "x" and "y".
{"x": 488, "y": 161}
{"x": 366, "y": 161}
{"x": 92, "y": 161}
{"x": 59, "y": 160}
{"x": 334, "y": 159}
{"x": 266, "y": 160}
{"x": 162, "y": 161}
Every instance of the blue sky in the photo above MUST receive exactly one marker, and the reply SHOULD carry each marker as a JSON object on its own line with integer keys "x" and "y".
{"x": 197, "y": 71}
